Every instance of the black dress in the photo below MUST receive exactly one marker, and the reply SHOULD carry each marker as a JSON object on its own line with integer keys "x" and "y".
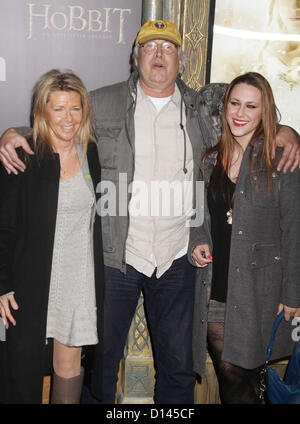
{"x": 218, "y": 205}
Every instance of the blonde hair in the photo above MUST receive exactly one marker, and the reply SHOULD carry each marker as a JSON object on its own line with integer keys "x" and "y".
{"x": 55, "y": 80}
{"x": 267, "y": 127}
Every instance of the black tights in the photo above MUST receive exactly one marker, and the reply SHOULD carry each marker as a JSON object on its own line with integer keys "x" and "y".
{"x": 236, "y": 385}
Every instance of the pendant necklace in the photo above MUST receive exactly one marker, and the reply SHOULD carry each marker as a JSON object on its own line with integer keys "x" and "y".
{"x": 229, "y": 213}
{"x": 229, "y": 216}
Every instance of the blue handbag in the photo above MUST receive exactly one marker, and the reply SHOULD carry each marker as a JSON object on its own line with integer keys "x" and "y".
{"x": 278, "y": 391}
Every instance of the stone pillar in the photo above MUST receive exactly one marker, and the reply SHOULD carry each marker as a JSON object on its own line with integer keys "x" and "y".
{"x": 169, "y": 10}
{"x": 152, "y": 10}
{"x": 172, "y": 11}
{"x": 137, "y": 371}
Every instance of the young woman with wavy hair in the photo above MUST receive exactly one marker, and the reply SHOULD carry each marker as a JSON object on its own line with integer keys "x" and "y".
{"x": 249, "y": 252}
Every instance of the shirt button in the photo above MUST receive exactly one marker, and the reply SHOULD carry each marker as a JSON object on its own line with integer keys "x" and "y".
{"x": 237, "y": 269}
{"x": 241, "y": 191}
{"x": 240, "y": 232}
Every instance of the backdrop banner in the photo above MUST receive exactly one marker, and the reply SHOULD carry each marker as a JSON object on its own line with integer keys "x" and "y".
{"x": 93, "y": 38}
{"x": 261, "y": 36}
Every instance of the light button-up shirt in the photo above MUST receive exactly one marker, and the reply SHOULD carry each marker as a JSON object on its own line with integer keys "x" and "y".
{"x": 158, "y": 219}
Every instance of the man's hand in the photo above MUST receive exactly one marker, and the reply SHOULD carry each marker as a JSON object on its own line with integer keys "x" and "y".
{"x": 10, "y": 140}
{"x": 287, "y": 139}
{"x": 201, "y": 255}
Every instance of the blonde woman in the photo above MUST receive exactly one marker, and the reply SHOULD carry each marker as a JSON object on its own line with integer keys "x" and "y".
{"x": 248, "y": 254}
{"x": 51, "y": 280}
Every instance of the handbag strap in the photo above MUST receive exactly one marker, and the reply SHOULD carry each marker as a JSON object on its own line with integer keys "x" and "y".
{"x": 274, "y": 329}
{"x": 262, "y": 374}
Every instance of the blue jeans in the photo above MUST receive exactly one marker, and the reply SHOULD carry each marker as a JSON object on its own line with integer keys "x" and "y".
{"x": 168, "y": 303}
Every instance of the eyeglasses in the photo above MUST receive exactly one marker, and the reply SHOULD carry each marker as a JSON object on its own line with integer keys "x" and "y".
{"x": 151, "y": 47}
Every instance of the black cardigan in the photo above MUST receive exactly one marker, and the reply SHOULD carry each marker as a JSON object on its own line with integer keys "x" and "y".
{"x": 28, "y": 208}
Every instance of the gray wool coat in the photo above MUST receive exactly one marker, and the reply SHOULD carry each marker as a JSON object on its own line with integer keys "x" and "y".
{"x": 264, "y": 266}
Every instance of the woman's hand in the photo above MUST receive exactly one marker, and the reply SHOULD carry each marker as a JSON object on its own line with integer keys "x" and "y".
{"x": 5, "y": 303}
{"x": 201, "y": 255}
{"x": 289, "y": 312}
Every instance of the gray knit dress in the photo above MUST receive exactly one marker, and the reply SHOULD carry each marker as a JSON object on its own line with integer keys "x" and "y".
{"x": 72, "y": 305}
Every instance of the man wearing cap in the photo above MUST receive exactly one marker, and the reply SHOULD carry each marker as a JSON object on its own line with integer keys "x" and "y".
{"x": 151, "y": 129}
{"x": 139, "y": 122}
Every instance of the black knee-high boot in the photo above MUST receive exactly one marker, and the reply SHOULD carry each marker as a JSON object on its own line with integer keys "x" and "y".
{"x": 66, "y": 390}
